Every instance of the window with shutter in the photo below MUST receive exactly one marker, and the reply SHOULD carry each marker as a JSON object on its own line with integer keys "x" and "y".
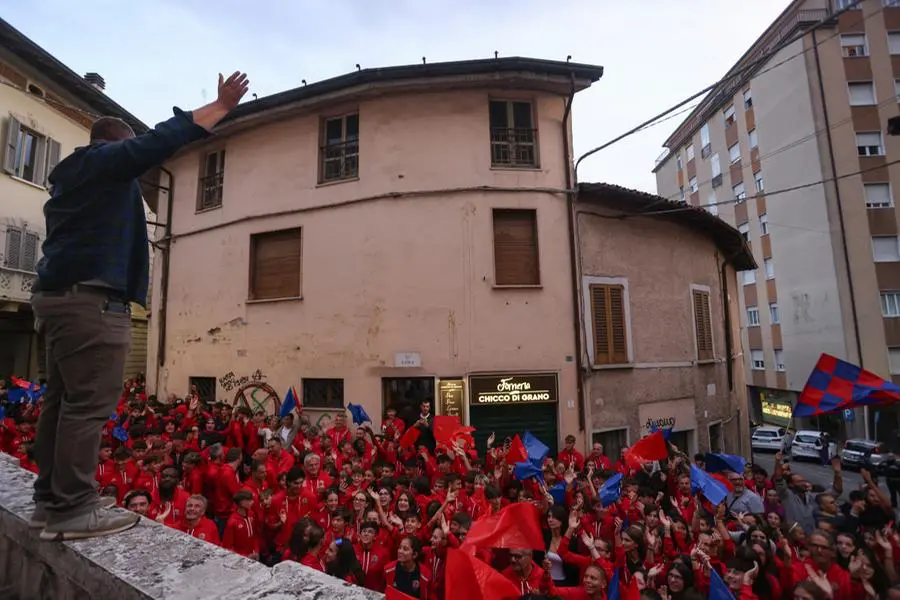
{"x": 610, "y": 327}
{"x": 516, "y": 258}
{"x": 13, "y": 257}
{"x": 703, "y": 325}
{"x": 275, "y": 264}
{"x": 29, "y": 252}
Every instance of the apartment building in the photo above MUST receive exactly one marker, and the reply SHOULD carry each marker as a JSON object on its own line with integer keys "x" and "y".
{"x": 406, "y": 234}
{"x": 46, "y": 111}
{"x": 793, "y": 152}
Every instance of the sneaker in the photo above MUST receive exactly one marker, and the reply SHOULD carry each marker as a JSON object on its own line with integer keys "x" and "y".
{"x": 38, "y": 519}
{"x": 98, "y": 522}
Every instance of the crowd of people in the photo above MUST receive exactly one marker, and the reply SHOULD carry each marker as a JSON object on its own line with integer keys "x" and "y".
{"x": 369, "y": 506}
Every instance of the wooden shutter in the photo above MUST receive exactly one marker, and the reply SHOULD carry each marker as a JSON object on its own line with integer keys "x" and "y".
{"x": 609, "y": 324}
{"x": 12, "y": 145}
{"x": 13, "y": 248}
{"x": 275, "y": 264}
{"x": 516, "y": 259}
{"x": 53, "y": 152}
{"x": 39, "y": 156}
{"x": 703, "y": 325}
{"x": 29, "y": 252}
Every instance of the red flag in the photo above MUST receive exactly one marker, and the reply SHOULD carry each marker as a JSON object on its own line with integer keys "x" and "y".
{"x": 633, "y": 592}
{"x": 444, "y": 427}
{"x": 647, "y": 449}
{"x": 516, "y": 526}
{"x": 517, "y": 452}
{"x": 468, "y": 578}
{"x": 409, "y": 437}
{"x": 723, "y": 480}
{"x": 393, "y": 593}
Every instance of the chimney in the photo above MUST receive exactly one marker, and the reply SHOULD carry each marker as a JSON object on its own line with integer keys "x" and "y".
{"x": 95, "y": 80}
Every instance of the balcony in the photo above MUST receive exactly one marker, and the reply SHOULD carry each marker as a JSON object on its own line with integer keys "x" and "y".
{"x": 514, "y": 148}
{"x": 339, "y": 161}
{"x": 16, "y": 285}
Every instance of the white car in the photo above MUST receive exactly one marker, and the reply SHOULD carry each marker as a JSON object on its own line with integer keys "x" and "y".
{"x": 808, "y": 444}
{"x": 767, "y": 439}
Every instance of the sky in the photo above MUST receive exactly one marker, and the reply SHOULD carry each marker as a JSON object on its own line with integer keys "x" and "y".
{"x": 155, "y": 54}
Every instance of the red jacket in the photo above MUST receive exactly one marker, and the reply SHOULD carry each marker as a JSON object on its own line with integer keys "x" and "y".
{"x": 373, "y": 562}
{"x": 296, "y": 508}
{"x": 535, "y": 582}
{"x": 227, "y": 486}
{"x": 242, "y": 534}
{"x": 204, "y": 530}
{"x": 175, "y": 516}
{"x": 569, "y": 456}
{"x": 104, "y": 470}
{"x": 313, "y": 562}
{"x": 426, "y": 585}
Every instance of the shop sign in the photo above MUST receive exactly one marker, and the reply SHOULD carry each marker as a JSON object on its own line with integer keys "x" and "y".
{"x": 451, "y": 396}
{"x": 514, "y": 389}
{"x": 408, "y": 360}
{"x": 776, "y": 408}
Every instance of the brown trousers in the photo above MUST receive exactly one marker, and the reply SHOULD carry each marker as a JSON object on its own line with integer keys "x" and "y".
{"x": 87, "y": 336}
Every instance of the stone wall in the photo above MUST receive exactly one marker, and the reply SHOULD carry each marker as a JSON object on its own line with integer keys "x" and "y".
{"x": 150, "y": 561}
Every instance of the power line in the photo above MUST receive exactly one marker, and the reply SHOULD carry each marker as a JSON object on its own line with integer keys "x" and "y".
{"x": 791, "y": 145}
{"x": 762, "y": 194}
{"x": 728, "y": 77}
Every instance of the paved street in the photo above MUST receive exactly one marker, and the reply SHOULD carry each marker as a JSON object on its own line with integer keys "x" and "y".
{"x": 814, "y": 472}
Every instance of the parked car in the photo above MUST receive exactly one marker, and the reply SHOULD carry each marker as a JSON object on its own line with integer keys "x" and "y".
{"x": 863, "y": 454}
{"x": 808, "y": 444}
{"x": 767, "y": 439}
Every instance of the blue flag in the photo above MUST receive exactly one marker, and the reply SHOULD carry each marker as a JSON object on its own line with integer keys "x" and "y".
{"x": 714, "y": 490}
{"x": 2, "y": 412}
{"x": 120, "y": 434}
{"x": 358, "y": 413}
{"x": 535, "y": 448}
{"x": 526, "y": 470}
{"x": 16, "y": 396}
{"x": 558, "y": 492}
{"x": 717, "y": 588}
{"x": 611, "y": 490}
{"x": 613, "y": 590}
{"x": 716, "y": 463}
{"x": 667, "y": 433}
{"x": 290, "y": 403}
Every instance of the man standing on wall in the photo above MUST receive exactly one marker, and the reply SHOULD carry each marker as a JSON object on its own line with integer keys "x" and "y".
{"x": 95, "y": 263}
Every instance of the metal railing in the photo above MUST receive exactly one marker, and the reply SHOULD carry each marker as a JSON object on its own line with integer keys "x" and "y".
{"x": 513, "y": 147}
{"x": 16, "y": 284}
{"x": 211, "y": 189}
{"x": 339, "y": 161}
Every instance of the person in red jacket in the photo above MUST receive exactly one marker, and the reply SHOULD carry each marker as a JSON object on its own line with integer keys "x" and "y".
{"x": 243, "y": 531}
{"x": 192, "y": 473}
{"x": 105, "y": 464}
{"x": 169, "y": 500}
{"x": 227, "y": 485}
{"x": 196, "y": 524}
{"x": 528, "y": 577}
{"x": 279, "y": 461}
{"x": 288, "y": 507}
{"x": 339, "y": 433}
{"x": 569, "y": 455}
{"x": 123, "y": 474}
{"x": 406, "y": 574}
{"x": 372, "y": 557}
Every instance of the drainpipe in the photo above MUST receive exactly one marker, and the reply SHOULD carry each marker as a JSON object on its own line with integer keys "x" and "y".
{"x": 573, "y": 255}
{"x": 164, "y": 279}
{"x": 840, "y": 212}
{"x": 726, "y": 316}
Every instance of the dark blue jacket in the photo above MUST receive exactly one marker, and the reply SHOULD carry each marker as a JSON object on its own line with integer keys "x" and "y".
{"x": 96, "y": 227}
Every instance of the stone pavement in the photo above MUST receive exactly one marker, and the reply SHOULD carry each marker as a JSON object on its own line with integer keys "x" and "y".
{"x": 149, "y": 562}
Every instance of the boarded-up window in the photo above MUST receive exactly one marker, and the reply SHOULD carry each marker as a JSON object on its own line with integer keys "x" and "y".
{"x": 516, "y": 259}
{"x": 275, "y": 264}
{"x": 703, "y": 325}
{"x": 323, "y": 393}
{"x": 609, "y": 324}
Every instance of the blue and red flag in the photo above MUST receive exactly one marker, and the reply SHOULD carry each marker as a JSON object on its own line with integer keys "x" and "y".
{"x": 835, "y": 385}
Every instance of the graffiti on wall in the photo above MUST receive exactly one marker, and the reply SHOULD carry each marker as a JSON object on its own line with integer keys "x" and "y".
{"x": 230, "y": 381}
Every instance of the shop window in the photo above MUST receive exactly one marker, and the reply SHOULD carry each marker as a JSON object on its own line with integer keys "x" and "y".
{"x": 613, "y": 440}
